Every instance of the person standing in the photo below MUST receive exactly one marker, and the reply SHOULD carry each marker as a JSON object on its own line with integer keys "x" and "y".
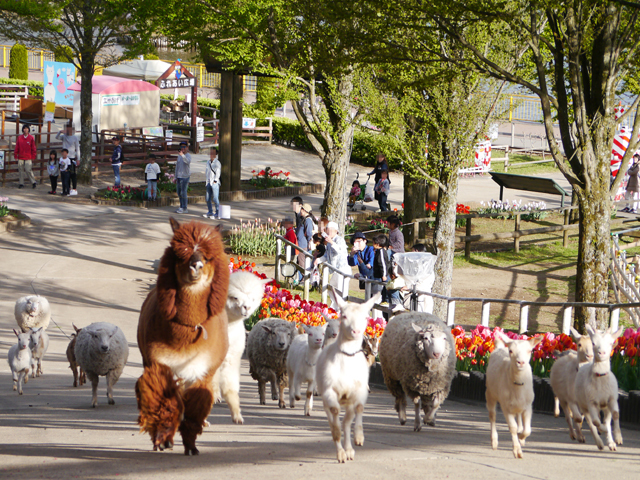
{"x": 213, "y": 170}
{"x": 183, "y": 172}
{"x": 53, "y": 169}
{"x": 64, "y": 172}
{"x": 396, "y": 238}
{"x": 71, "y": 143}
{"x": 296, "y": 205}
{"x": 25, "y": 153}
{"x": 336, "y": 256}
{"x": 116, "y": 160}
{"x": 152, "y": 171}
{"x": 382, "y": 190}
{"x": 631, "y": 195}
{"x": 381, "y": 164}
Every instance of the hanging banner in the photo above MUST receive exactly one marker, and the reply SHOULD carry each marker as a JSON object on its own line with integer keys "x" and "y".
{"x": 120, "y": 99}
{"x": 483, "y": 155}
{"x": 49, "y": 110}
{"x": 58, "y": 77}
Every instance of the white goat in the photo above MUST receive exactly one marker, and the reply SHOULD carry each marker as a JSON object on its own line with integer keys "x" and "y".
{"x": 342, "y": 375}
{"x": 301, "y": 364}
{"x": 19, "y": 359}
{"x": 510, "y": 383}
{"x": 39, "y": 344}
{"x": 563, "y": 378}
{"x": 596, "y": 388}
{"x": 331, "y": 333}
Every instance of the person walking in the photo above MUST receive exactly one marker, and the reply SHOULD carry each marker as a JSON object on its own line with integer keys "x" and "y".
{"x": 633, "y": 187}
{"x": 53, "y": 169}
{"x": 152, "y": 171}
{"x": 183, "y": 172}
{"x": 71, "y": 143}
{"x": 336, "y": 256}
{"x": 213, "y": 170}
{"x": 116, "y": 160}
{"x": 304, "y": 235}
{"x": 25, "y": 154}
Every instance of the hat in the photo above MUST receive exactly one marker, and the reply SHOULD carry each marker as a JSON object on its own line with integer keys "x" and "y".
{"x": 184, "y": 144}
{"x": 356, "y": 236}
{"x": 287, "y": 220}
{"x": 333, "y": 225}
{"x": 307, "y": 208}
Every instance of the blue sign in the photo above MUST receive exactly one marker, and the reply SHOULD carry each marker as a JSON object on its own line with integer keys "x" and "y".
{"x": 58, "y": 77}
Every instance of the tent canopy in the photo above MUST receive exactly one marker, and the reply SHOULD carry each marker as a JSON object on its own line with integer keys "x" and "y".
{"x": 148, "y": 70}
{"x": 105, "y": 84}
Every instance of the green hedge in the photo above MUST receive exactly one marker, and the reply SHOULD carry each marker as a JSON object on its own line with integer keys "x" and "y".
{"x": 63, "y": 54}
{"x": 19, "y": 62}
{"x": 35, "y": 88}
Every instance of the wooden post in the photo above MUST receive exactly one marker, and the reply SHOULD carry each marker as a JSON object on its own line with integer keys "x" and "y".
{"x": 226, "y": 114}
{"x": 467, "y": 243}
{"x": 451, "y": 313}
{"x": 416, "y": 231}
{"x": 236, "y": 133}
{"x": 566, "y": 320}
{"x": 307, "y": 274}
{"x": 524, "y": 318}
{"x": 516, "y": 239}
{"x": 278, "y": 252}
{"x": 565, "y": 234}
{"x": 367, "y": 291}
{"x": 614, "y": 319}
{"x": 325, "y": 282}
{"x": 486, "y": 307}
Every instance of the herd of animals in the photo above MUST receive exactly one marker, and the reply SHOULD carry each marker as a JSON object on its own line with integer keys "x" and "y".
{"x": 191, "y": 335}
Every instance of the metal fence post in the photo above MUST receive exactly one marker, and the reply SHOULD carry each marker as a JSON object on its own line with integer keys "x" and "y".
{"x": 566, "y": 320}
{"x": 367, "y": 290}
{"x": 486, "y": 307}
{"x": 307, "y": 275}
{"x": 451, "y": 313}
{"x": 524, "y": 318}
{"x": 516, "y": 239}
{"x": 325, "y": 283}
{"x": 278, "y": 253}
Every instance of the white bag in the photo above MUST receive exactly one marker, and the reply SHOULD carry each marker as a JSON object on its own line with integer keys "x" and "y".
{"x": 368, "y": 194}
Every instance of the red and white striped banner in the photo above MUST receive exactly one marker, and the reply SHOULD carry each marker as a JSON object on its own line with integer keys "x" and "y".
{"x": 483, "y": 154}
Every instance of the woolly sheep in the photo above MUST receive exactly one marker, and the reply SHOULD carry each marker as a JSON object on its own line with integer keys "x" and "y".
{"x": 418, "y": 359}
{"x": 301, "y": 364}
{"x": 19, "y": 359}
{"x": 510, "y": 383}
{"x": 32, "y": 311}
{"x": 102, "y": 349}
{"x": 39, "y": 344}
{"x": 596, "y": 388}
{"x": 342, "y": 375}
{"x": 267, "y": 347}
{"x": 243, "y": 298}
{"x": 563, "y": 378}
{"x": 73, "y": 364}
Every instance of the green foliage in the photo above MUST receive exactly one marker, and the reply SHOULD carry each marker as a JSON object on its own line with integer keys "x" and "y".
{"x": 63, "y": 54}
{"x": 269, "y": 178}
{"x": 290, "y": 133}
{"x": 19, "y": 62}
{"x": 255, "y": 238}
{"x": 36, "y": 88}
{"x": 271, "y": 94}
{"x": 151, "y": 56}
{"x": 124, "y": 193}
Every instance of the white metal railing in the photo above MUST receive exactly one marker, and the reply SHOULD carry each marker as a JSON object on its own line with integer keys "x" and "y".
{"x": 289, "y": 248}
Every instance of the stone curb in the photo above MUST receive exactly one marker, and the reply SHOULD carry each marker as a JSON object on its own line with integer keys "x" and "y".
{"x": 234, "y": 196}
{"x": 13, "y": 225}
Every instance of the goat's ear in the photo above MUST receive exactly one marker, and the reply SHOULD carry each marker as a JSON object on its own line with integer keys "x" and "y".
{"x": 417, "y": 328}
{"x": 576, "y": 335}
{"x": 17, "y": 334}
{"x": 267, "y": 328}
{"x": 373, "y": 300}
{"x": 617, "y": 333}
{"x": 167, "y": 285}
{"x": 590, "y": 331}
{"x": 503, "y": 338}
{"x": 175, "y": 225}
{"x": 75, "y": 328}
{"x": 535, "y": 340}
{"x": 337, "y": 298}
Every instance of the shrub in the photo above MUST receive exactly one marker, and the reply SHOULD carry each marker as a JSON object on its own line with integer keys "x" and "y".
{"x": 151, "y": 56}
{"x": 125, "y": 193}
{"x": 63, "y": 54}
{"x": 19, "y": 62}
{"x": 528, "y": 212}
{"x": 4, "y": 206}
{"x": 35, "y": 88}
{"x": 255, "y": 238}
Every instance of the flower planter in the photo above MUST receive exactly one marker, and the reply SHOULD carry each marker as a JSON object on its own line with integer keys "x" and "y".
{"x": 14, "y": 221}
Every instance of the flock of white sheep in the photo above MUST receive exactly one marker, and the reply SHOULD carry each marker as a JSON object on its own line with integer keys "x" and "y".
{"x": 416, "y": 352}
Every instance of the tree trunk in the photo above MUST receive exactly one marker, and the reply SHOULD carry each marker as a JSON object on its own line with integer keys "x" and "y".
{"x": 415, "y": 192}
{"x": 592, "y": 276}
{"x": 86, "y": 119}
{"x": 336, "y": 166}
{"x": 444, "y": 241}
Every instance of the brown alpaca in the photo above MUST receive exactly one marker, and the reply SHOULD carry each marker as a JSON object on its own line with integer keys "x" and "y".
{"x": 182, "y": 333}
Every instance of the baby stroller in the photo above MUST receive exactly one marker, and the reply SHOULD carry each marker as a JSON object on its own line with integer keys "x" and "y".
{"x": 365, "y": 196}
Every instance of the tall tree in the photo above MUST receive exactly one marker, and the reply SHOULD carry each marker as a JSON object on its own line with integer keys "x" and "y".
{"x": 295, "y": 42}
{"x": 91, "y": 30}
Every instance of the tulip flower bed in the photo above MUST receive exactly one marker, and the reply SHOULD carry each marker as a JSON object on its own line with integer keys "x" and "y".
{"x": 269, "y": 178}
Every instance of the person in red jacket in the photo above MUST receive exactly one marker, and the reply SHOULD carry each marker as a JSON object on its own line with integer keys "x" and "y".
{"x": 290, "y": 233}
{"x": 25, "y": 153}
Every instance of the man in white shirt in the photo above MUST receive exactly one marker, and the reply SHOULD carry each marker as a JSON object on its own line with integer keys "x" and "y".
{"x": 71, "y": 143}
{"x": 336, "y": 255}
{"x": 213, "y": 170}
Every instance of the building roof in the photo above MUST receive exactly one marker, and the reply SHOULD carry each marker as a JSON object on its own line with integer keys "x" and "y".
{"x": 105, "y": 84}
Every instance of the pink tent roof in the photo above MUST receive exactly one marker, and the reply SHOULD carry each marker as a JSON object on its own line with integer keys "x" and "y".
{"x": 104, "y": 84}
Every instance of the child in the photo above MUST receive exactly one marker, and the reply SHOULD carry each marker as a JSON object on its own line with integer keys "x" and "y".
{"x": 290, "y": 233}
{"x": 54, "y": 170}
{"x": 380, "y": 263}
{"x": 151, "y": 171}
{"x": 64, "y": 163}
{"x": 382, "y": 189}
{"x": 116, "y": 160}
{"x": 396, "y": 238}
{"x": 355, "y": 192}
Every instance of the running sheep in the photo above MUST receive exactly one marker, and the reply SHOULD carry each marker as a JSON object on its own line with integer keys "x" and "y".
{"x": 418, "y": 359}
{"x": 102, "y": 349}
{"x": 19, "y": 359}
{"x": 32, "y": 311}
{"x": 267, "y": 347}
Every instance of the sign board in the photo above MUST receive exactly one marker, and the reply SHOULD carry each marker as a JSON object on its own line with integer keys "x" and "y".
{"x": 183, "y": 82}
{"x": 49, "y": 110}
{"x": 483, "y": 154}
{"x": 58, "y": 77}
{"x": 169, "y": 136}
{"x": 1, "y": 160}
{"x": 200, "y": 133}
{"x": 120, "y": 99}
{"x": 248, "y": 122}
{"x": 153, "y": 131}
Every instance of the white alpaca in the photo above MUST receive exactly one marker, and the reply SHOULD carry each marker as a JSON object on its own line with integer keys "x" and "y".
{"x": 49, "y": 88}
{"x": 244, "y": 296}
